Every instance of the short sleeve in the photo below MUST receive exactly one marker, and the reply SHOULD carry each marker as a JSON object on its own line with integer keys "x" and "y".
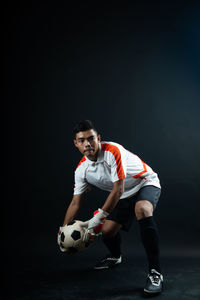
{"x": 80, "y": 185}
{"x": 117, "y": 161}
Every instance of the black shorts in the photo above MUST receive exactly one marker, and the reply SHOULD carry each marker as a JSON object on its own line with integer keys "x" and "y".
{"x": 124, "y": 213}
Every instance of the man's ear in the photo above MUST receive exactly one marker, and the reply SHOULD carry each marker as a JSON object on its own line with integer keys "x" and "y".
{"x": 75, "y": 142}
{"x": 99, "y": 138}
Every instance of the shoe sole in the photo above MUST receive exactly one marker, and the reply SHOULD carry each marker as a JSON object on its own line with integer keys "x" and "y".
{"x": 151, "y": 292}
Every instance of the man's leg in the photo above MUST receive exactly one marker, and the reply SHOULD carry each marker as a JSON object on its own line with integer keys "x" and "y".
{"x": 150, "y": 240}
{"x": 112, "y": 240}
{"x": 149, "y": 232}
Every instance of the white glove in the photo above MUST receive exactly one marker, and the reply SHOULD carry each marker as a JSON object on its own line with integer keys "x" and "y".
{"x": 97, "y": 221}
{"x": 89, "y": 236}
{"x": 59, "y": 239}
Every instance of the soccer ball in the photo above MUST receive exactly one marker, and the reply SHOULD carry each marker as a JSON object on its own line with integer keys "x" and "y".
{"x": 72, "y": 238}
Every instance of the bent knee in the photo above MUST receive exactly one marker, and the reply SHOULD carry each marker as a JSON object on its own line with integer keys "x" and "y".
{"x": 143, "y": 209}
{"x": 110, "y": 228}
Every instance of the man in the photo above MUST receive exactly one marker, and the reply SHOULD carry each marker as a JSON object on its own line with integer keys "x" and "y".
{"x": 134, "y": 190}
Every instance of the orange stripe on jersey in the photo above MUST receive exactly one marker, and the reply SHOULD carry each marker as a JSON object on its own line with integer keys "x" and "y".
{"x": 81, "y": 161}
{"x": 141, "y": 173}
{"x": 115, "y": 151}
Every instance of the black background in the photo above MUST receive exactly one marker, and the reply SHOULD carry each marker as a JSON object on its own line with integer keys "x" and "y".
{"x": 134, "y": 70}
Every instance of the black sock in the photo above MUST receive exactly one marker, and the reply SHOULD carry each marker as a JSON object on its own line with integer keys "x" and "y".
{"x": 113, "y": 244}
{"x": 150, "y": 240}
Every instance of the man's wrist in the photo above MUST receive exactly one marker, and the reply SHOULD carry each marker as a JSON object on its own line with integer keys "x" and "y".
{"x": 105, "y": 213}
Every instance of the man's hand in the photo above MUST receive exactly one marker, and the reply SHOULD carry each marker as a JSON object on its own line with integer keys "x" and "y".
{"x": 96, "y": 223}
{"x": 89, "y": 236}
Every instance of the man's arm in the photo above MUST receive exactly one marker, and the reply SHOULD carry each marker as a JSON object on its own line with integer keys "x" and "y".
{"x": 100, "y": 215}
{"x": 114, "y": 196}
{"x": 73, "y": 209}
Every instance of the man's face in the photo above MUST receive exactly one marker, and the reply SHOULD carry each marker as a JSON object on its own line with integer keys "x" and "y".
{"x": 87, "y": 143}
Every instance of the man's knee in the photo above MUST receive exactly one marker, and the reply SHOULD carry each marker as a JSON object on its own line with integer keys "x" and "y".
{"x": 143, "y": 209}
{"x": 110, "y": 228}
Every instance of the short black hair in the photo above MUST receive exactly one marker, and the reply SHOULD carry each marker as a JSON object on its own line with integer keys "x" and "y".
{"x": 84, "y": 125}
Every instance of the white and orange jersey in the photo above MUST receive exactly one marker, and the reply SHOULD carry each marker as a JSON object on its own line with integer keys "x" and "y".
{"x": 114, "y": 162}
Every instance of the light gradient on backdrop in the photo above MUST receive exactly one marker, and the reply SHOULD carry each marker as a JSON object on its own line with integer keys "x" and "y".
{"x": 135, "y": 73}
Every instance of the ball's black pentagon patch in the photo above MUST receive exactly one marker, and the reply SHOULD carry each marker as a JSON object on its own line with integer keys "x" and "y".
{"x": 76, "y": 235}
{"x": 71, "y": 223}
{"x": 72, "y": 250}
{"x": 62, "y": 237}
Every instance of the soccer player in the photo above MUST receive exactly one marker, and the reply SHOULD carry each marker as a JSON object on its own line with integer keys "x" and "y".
{"x": 134, "y": 190}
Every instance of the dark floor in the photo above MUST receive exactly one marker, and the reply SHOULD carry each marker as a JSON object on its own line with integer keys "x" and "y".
{"x": 71, "y": 277}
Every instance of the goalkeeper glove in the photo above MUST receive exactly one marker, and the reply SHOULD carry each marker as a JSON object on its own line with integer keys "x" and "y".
{"x": 96, "y": 223}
